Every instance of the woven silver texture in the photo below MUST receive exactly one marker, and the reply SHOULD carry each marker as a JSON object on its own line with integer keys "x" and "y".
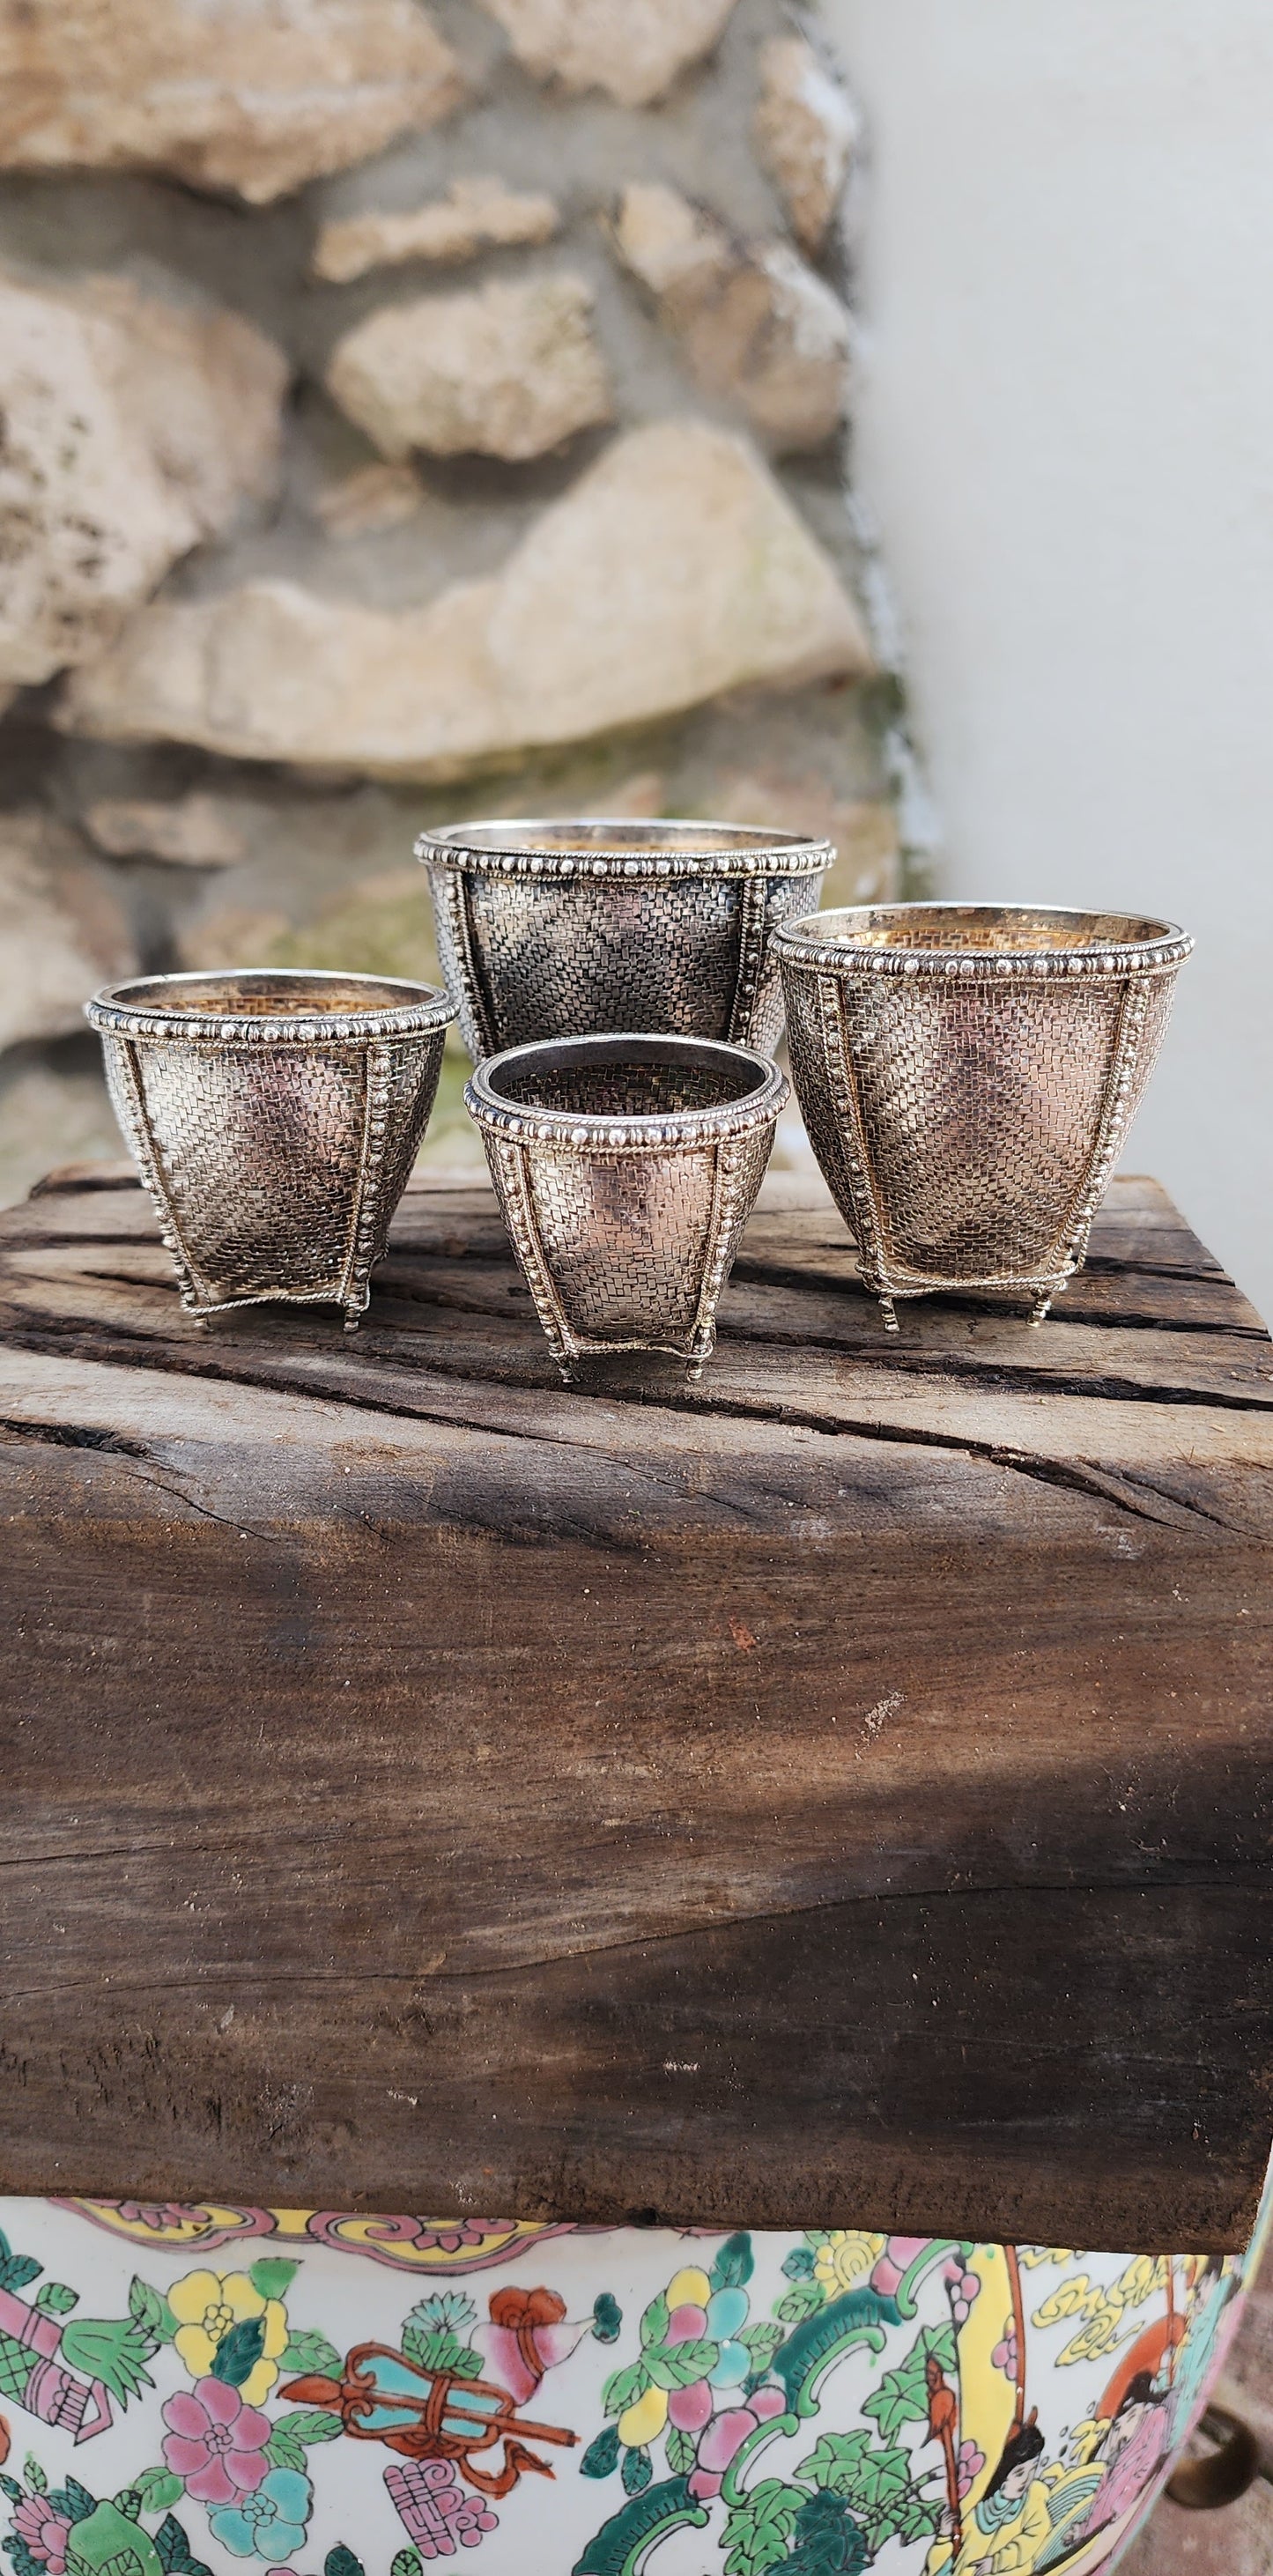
{"x": 627, "y": 1167}
{"x": 968, "y": 1074}
{"x": 559, "y": 929}
{"x": 274, "y": 1118}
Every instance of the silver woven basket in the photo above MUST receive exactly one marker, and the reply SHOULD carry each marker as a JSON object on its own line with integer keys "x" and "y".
{"x": 968, "y": 1074}
{"x": 555, "y": 929}
{"x": 274, "y": 1118}
{"x": 627, "y": 1167}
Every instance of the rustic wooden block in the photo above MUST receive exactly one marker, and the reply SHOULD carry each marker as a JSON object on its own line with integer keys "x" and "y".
{"x": 837, "y": 1793}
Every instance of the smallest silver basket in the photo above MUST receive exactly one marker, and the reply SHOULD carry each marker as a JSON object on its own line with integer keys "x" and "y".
{"x": 627, "y": 1167}
{"x": 274, "y": 1117}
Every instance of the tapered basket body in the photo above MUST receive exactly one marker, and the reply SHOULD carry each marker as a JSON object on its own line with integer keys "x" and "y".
{"x": 561, "y": 929}
{"x": 274, "y": 1118}
{"x": 627, "y": 1168}
{"x": 967, "y": 1075}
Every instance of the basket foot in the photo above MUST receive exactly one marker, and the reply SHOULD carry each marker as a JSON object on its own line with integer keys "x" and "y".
{"x": 1039, "y": 1310}
{"x": 888, "y": 1312}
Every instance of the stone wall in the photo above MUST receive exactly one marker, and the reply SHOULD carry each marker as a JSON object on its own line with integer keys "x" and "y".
{"x": 406, "y": 415}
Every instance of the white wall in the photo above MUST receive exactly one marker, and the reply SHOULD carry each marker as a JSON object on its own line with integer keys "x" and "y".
{"x": 1065, "y": 430}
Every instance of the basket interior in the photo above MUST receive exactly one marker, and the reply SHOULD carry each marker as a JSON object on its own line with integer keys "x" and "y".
{"x": 626, "y": 1078}
{"x": 983, "y": 928}
{"x": 620, "y": 836}
{"x": 261, "y": 993}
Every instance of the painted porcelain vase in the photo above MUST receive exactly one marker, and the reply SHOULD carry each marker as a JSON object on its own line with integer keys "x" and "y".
{"x": 191, "y": 2390}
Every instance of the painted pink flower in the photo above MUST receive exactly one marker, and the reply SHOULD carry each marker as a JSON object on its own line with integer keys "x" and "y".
{"x": 215, "y": 2442}
{"x": 1004, "y": 2356}
{"x": 725, "y": 2435}
{"x": 895, "y": 2262}
{"x": 45, "y": 2532}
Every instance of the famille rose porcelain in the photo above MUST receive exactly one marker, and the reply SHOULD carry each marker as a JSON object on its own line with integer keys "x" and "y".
{"x": 195, "y": 2391}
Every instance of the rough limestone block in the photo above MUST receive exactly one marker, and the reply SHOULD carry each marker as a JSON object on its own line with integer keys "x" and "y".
{"x": 476, "y": 214}
{"x": 508, "y": 371}
{"x": 192, "y": 831}
{"x": 805, "y": 129}
{"x": 631, "y": 48}
{"x": 758, "y": 326}
{"x": 685, "y": 570}
{"x": 133, "y": 428}
{"x": 63, "y": 930}
{"x": 225, "y": 94}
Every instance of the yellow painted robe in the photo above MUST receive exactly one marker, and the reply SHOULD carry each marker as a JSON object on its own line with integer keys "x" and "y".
{"x": 1016, "y": 2545}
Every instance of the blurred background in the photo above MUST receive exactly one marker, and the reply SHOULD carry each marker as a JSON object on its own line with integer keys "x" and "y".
{"x": 876, "y": 395}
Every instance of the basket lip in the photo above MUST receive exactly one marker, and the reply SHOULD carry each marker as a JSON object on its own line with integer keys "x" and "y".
{"x": 593, "y": 1132}
{"x": 1161, "y": 947}
{"x": 624, "y": 847}
{"x": 137, "y": 1009}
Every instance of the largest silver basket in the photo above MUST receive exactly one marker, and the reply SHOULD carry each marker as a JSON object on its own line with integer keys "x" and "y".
{"x": 562, "y": 929}
{"x": 274, "y": 1118}
{"x": 968, "y": 1073}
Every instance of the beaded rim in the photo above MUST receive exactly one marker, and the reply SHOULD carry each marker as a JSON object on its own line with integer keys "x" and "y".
{"x": 592, "y": 1132}
{"x": 137, "y": 1010}
{"x": 805, "y": 943}
{"x": 622, "y": 849}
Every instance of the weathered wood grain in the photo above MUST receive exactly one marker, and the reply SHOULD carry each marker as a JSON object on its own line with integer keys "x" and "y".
{"x": 837, "y": 1792}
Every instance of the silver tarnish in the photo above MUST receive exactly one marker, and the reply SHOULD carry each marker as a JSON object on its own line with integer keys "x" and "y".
{"x": 968, "y": 1074}
{"x": 627, "y": 1167}
{"x": 556, "y": 929}
{"x": 274, "y": 1118}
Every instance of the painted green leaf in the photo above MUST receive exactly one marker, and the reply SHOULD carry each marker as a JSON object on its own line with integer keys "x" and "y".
{"x": 311, "y": 2424}
{"x": 798, "y": 2265}
{"x": 801, "y": 2302}
{"x": 239, "y": 2351}
{"x": 623, "y": 2387}
{"x": 34, "y": 2475}
{"x": 55, "y": 2298}
{"x": 341, "y": 2561}
{"x": 111, "y": 2349}
{"x": 756, "y": 2533}
{"x": 175, "y": 2553}
{"x": 407, "y": 2563}
{"x": 157, "y": 2488}
{"x": 637, "y": 2472}
{"x": 16, "y": 2269}
{"x": 73, "y": 2500}
{"x": 734, "y": 2264}
{"x": 682, "y": 2451}
{"x": 271, "y": 2274}
{"x": 307, "y": 2349}
{"x": 151, "y": 2313}
{"x": 902, "y": 2395}
{"x": 801, "y": 2361}
{"x": 283, "y": 2451}
{"x": 678, "y": 2365}
{"x": 877, "y": 2484}
{"x": 10, "y": 2487}
{"x": 602, "y": 2455}
{"x": 655, "y": 2322}
{"x": 436, "y": 2348}
{"x": 629, "y": 2538}
{"x": 828, "y": 2541}
{"x": 128, "y": 2502}
{"x": 607, "y": 2317}
{"x": 761, "y": 2341}
{"x": 451, "y": 2310}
